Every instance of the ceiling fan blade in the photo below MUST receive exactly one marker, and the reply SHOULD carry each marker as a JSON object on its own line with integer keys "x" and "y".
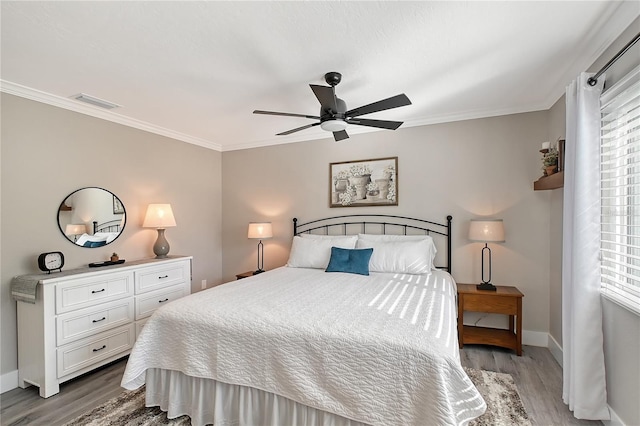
{"x": 326, "y": 95}
{"x": 392, "y": 102}
{"x": 297, "y": 129}
{"x": 381, "y": 124}
{"x": 342, "y": 134}
{"x": 286, "y": 114}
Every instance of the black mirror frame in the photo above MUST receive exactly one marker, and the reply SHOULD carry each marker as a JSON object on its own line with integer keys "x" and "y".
{"x": 62, "y": 204}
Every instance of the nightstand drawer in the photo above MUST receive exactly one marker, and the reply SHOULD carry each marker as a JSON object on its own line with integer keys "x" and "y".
{"x": 490, "y": 304}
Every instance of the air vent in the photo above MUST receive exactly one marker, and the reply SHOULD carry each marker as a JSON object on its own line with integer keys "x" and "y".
{"x": 95, "y": 101}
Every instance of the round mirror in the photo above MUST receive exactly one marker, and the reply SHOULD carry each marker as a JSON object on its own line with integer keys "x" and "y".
{"x": 91, "y": 217}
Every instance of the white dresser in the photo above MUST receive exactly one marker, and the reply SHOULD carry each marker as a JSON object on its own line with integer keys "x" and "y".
{"x": 88, "y": 317}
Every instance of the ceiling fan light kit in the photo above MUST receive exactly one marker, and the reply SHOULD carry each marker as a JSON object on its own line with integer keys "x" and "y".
{"x": 334, "y": 116}
{"x": 333, "y": 125}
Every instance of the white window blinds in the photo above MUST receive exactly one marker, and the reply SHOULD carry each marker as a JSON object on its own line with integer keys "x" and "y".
{"x": 620, "y": 192}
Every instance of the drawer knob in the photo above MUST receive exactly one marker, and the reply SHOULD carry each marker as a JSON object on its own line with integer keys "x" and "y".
{"x": 97, "y": 291}
{"x": 163, "y": 277}
{"x": 99, "y": 349}
{"x": 101, "y": 319}
{"x": 162, "y": 301}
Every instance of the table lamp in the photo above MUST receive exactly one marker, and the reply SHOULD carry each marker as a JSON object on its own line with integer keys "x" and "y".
{"x": 486, "y": 231}
{"x": 75, "y": 230}
{"x": 159, "y": 216}
{"x": 260, "y": 231}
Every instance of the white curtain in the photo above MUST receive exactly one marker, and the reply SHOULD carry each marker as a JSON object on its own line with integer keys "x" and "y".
{"x": 584, "y": 384}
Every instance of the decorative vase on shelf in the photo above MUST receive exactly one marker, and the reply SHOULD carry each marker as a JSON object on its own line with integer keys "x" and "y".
{"x": 360, "y": 185}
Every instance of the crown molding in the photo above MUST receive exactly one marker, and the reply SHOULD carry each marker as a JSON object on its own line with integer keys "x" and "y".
{"x": 86, "y": 109}
{"x": 603, "y": 34}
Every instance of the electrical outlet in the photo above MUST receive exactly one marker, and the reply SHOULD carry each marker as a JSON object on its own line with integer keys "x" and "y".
{"x": 204, "y": 284}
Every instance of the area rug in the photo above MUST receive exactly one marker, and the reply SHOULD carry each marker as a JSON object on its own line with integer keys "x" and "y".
{"x": 499, "y": 391}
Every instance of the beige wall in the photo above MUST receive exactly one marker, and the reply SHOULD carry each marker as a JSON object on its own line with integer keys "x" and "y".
{"x": 557, "y": 126}
{"x": 621, "y": 327}
{"x": 467, "y": 169}
{"x": 48, "y": 152}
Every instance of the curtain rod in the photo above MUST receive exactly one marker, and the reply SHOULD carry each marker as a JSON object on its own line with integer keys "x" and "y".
{"x": 593, "y": 80}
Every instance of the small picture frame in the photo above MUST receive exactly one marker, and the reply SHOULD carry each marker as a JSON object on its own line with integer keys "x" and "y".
{"x": 117, "y": 206}
{"x": 364, "y": 183}
{"x": 561, "y": 146}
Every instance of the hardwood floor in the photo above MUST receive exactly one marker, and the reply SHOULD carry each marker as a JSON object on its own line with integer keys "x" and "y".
{"x": 537, "y": 375}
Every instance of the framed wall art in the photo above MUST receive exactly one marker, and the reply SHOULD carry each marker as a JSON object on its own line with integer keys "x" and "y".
{"x": 117, "y": 206}
{"x": 364, "y": 183}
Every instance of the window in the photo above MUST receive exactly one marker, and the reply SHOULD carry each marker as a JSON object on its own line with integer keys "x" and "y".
{"x": 620, "y": 192}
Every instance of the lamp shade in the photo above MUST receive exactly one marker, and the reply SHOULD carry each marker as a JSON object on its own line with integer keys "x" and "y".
{"x": 487, "y": 230}
{"x": 75, "y": 229}
{"x": 159, "y": 216}
{"x": 260, "y": 230}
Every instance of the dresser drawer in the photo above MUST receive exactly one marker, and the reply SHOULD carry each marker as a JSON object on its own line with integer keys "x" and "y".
{"x": 83, "y": 353}
{"x": 85, "y": 292}
{"x": 86, "y": 322}
{"x": 147, "y": 303}
{"x": 161, "y": 276}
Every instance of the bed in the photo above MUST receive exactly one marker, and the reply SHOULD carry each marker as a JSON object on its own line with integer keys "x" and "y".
{"x": 301, "y": 346}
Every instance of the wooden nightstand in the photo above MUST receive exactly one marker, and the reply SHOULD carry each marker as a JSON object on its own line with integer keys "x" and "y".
{"x": 505, "y": 300}
{"x": 244, "y": 275}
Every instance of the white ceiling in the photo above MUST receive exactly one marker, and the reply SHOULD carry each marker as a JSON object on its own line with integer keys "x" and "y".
{"x": 195, "y": 71}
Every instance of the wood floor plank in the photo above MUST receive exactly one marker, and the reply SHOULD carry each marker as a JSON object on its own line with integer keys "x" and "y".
{"x": 536, "y": 374}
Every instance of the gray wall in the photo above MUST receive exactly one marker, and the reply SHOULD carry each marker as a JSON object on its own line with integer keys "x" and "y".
{"x": 467, "y": 169}
{"x": 621, "y": 327}
{"x": 48, "y": 152}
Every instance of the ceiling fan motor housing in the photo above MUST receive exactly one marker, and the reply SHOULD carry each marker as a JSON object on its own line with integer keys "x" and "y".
{"x": 333, "y": 78}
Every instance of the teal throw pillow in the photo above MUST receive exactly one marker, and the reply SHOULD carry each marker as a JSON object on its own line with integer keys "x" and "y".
{"x": 351, "y": 261}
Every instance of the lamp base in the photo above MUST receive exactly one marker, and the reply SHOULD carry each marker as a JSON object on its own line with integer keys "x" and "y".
{"x": 259, "y": 271}
{"x": 486, "y": 287}
{"x": 161, "y": 247}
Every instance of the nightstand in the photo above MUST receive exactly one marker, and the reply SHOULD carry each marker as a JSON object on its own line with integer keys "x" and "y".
{"x": 244, "y": 275}
{"x": 505, "y": 300}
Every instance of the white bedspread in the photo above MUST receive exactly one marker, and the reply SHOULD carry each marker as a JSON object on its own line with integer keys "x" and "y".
{"x": 381, "y": 349}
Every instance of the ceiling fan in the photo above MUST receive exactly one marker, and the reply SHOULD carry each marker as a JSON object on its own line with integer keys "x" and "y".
{"x": 334, "y": 116}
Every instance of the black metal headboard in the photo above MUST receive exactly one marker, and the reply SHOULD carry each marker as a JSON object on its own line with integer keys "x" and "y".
{"x": 383, "y": 224}
{"x": 111, "y": 226}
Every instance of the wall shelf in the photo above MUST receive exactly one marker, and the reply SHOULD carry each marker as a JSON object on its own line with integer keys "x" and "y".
{"x": 554, "y": 181}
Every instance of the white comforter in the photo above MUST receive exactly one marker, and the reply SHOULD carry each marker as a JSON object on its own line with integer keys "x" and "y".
{"x": 381, "y": 349}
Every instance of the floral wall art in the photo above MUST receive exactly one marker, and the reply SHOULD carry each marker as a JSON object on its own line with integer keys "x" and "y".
{"x": 364, "y": 183}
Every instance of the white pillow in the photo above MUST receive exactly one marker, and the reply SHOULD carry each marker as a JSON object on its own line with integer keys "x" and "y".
{"x": 108, "y": 236}
{"x": 409, "y": 257}
{"x": 388, "y": 237}
{"x": 86, "y": 237}
{"x": 316, "y": 252}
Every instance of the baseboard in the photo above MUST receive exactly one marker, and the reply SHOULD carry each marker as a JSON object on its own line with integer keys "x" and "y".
{"x": 556, "y": 349}
{"x": 535, "y": 338}
{"x": 615, "y": 420}
{"x": 8, "y": 381}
